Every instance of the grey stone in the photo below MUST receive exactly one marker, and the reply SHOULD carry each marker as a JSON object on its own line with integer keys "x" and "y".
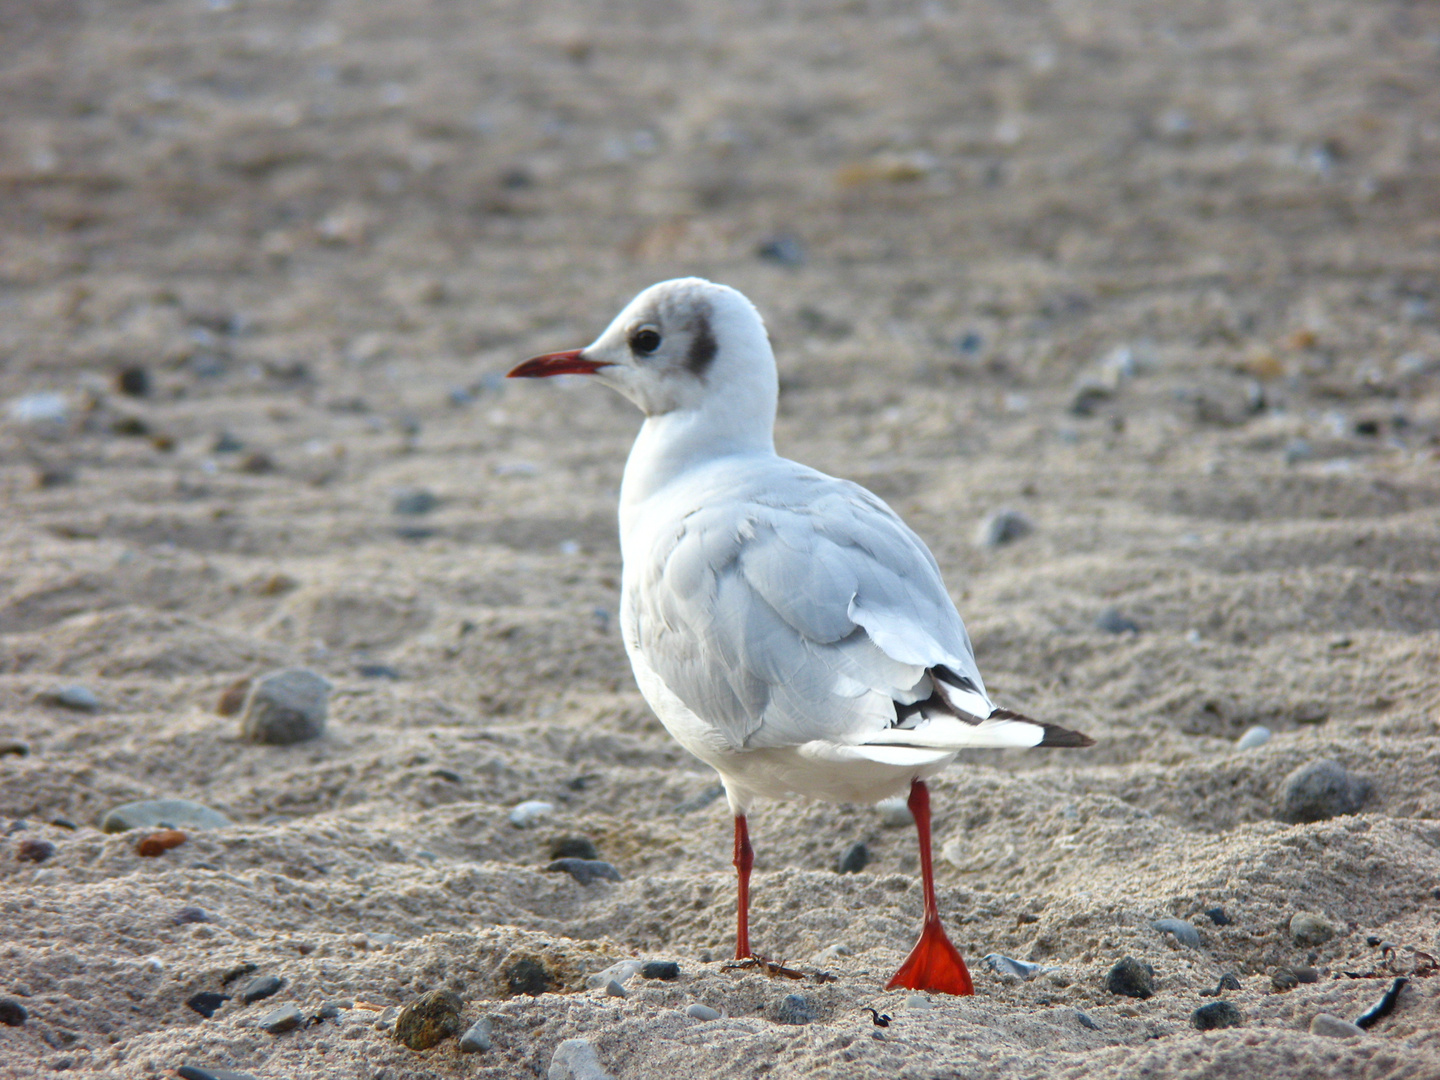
{"x": 1218, "y": 916}
{"x": 1308, "y": 928}
{"x": 1218, "y": 1014}
{"x": 1113, "y": 621}
{"x": 617, "y": 972}
{"x": 286, "y": 1018}
{"x": 413, "y": 502}
{"x": 574, "y": 847}
{"x": 614, "y": 989}
{"x": 793, "y": 1009}
{"x": 1002, "y": 527}
{"x": 477, "y": 1038}
{"x": 895, "y": 813}
{"x": 668, "y": 970}
{"x": 1332, "y": 1027}
{"x": 12, "y": 1013}
{"x": 585, "y": 871}
{"x": 918, "y": 1003}
{"x": 1130, "y": 978}
{"x": 528, "y": 813}
{"x": 1184, "y": 932}
{"x": 285, "y": 707}
{"x": 1253, "y": 737}
{"x": 855, "y": 859}
{"x": 575, "y": 1059}
{"x": 1009, "y": 967}
{"x": 701, "y": 1012}
{"x": 162, "y": 813}
{"x": 428, "y": 1020}
{"x": 77, "y": 697}
{"x": 259, "y": 988}
{"x": 527, "y": 976}
{"x": 1320, "y": 790}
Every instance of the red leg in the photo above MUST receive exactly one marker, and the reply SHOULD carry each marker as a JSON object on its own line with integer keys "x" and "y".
{"x": 934, "y": 964}
{"x": 744, "y": 860}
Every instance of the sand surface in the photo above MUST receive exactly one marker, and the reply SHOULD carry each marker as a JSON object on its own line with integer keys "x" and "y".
{"x": 1160, "y": 277}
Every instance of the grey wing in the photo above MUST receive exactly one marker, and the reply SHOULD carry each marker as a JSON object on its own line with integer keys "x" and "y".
{"x": 783, "y": 623}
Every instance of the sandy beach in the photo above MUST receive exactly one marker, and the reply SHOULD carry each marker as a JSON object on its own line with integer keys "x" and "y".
{"x": 1129, "y": 309}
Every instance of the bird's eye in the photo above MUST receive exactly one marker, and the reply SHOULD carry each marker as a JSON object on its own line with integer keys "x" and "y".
{"x": 645, "y": 340}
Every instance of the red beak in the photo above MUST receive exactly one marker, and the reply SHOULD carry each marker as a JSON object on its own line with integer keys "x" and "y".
{"x": 571, "y": 362}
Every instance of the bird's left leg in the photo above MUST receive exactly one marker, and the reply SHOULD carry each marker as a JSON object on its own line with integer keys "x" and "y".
{"x": 934, "y": 964}
{"x": 744, "y": 860}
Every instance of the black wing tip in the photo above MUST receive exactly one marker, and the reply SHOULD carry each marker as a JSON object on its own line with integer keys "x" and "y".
{"x": 1055, "y": 735}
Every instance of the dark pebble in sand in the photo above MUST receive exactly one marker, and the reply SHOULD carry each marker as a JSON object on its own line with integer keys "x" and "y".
{"x": 285, "y": 707}
{"x": 1218, "y": 1014}
{"x": 855, "y": 859}
{"x": 286, "y": 1018}
{"x": 1086, "y": 1022}
{"x": 259, "y": 988}
{"x": 190, "y": 914}
{"x": 660, "y": 969}
{"x": 527, "y": 977}
{"x": 1001, "y": 528}
{"x": 793, "y": 1009}
{"x": 413, "y": 502}
{"x": 379, "y": 671}
{"x": 574, "y": 847}
{"x": 133, "y": 381}
{"x": 429, "y": 1019}
{"x": 1131, "y": 978}
{"x": 1284, "y": 979}
{"x": 1321, "y": 790}
{"x": 13, "y": 746}
{"x": 585, "y": 871}
{"x": 12, "y": 1013}
{"x": 1217, "y": 916}
{"x": 1113, "y": 622}
{"x": 207, "y": 1004}
{"x": 32, "y": 850}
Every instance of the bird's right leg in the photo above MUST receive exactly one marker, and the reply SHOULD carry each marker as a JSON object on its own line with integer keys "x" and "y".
{"x": 744, "y": 860}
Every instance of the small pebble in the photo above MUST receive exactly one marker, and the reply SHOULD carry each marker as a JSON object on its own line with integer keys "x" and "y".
{"x": 701, "y": 1012}
{"x": 13, "y": 746}
{"x": 525, "y": 814}
{"x": 413, "y": 502}
{"x": 855, "y": 859}
{"x": 286, "y": 1018}
{"x": 620, "y": 972}
{"x": 1308, "y": 928}
{"x": 614, "y": 989}
{"x": 77, "y": 697}
{"x": 379, "y": 671}
{"x": 1131, "y": 978}
{"x": 163, "y": 814}
{"x": 783, "y": 248}
{"x": 226, "y": 443}
{"x": 133, "y": 381}
{"x": 1007, "y": 966}
{"x": 1321, "y": 790}
{"x": 477, "y": 1038}
{"x": 157, "y": 843}
{"x": 286, "y": 707}
{"x": 1283, "y": 979}
{"x": 1089, "y": 393}
{"x": 527, "y": 977}
{"x": 917, "y": 1003}
{"x": 1298, "y": 450}
{"x": 1002, "y": 527}
{"x": 1228, "y": 981}
{"x": 1253, "y": 737}
{"x": 575, "y": 1059}
{"x": 1332, "y": 1027}
{"x": 206, "y": 1004}
{"x": 330, "y": 1010}
{"x": 33, "y": 850}
{"x": 259, "y": 988}
{"x": 1183, "y": 932}
{"x": 793, "y": 1009}
{"x": 1085, "y": 1021}
{"x": 12, "y": 1013}
{"x": 574, "y": 847}
{"x": 429, "y": 1019}
{"x": 585, "y": 871}
{"x": 667, "y": 970}
{"x": 232, "y": 698}
{"x": 1218, "y": 1014}
{"x": 1218, "y": 916}
{"x": 895, "y": 813}
{"x": 41, "y": 408}
{"x": 1113, "y": 622}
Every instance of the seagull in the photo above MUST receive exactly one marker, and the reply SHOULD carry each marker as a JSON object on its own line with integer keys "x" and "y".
{"x": 786, "y": 626}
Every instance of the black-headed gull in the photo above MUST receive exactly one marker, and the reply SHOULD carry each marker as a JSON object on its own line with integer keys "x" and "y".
{"x": 787, "y": 627}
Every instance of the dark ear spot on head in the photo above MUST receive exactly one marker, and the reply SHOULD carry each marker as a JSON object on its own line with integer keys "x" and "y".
{"x": 702, "y": 346}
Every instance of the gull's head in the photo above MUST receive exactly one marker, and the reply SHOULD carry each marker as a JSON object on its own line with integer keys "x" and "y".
{"x": 676, "y": 346}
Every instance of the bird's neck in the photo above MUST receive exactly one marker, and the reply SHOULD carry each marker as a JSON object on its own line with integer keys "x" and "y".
{"x": 674, "y": 443}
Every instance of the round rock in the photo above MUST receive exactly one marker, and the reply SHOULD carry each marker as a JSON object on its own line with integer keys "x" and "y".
{"x": 1218, "y": 1014}
{"x": 1002, "y": 527}
{"x": 1332, "y": 1027}
{"x": 1182, "y": 931}
{"x": 527, "y": 976}
{"x": 574, "y": 847}
{"x": 286, "y": 1018}
{"x": 12, "y": 1013}
{"x": 285, "y": 707}
{"x": 1307, "y": 928}
{"x": 668, "y": 970}
{"x": 530, "y": 812}
{"x": 259, "y": 988}
{"x": 585, "y": 871}
{"x": 575, "y": 1059}
{"x": 477, "y": 1038}
{"x": 701, "y": 1012}
{"x": 855, "y": 859}
{"x": 1321, "y": 790}
{"x": 162, "y": 814}
{"x": 429, "y": 1019}
{"x": 1130, "y": 978}
{"x": 1253, "y": 737}
{"x": 793, "y": 1009}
